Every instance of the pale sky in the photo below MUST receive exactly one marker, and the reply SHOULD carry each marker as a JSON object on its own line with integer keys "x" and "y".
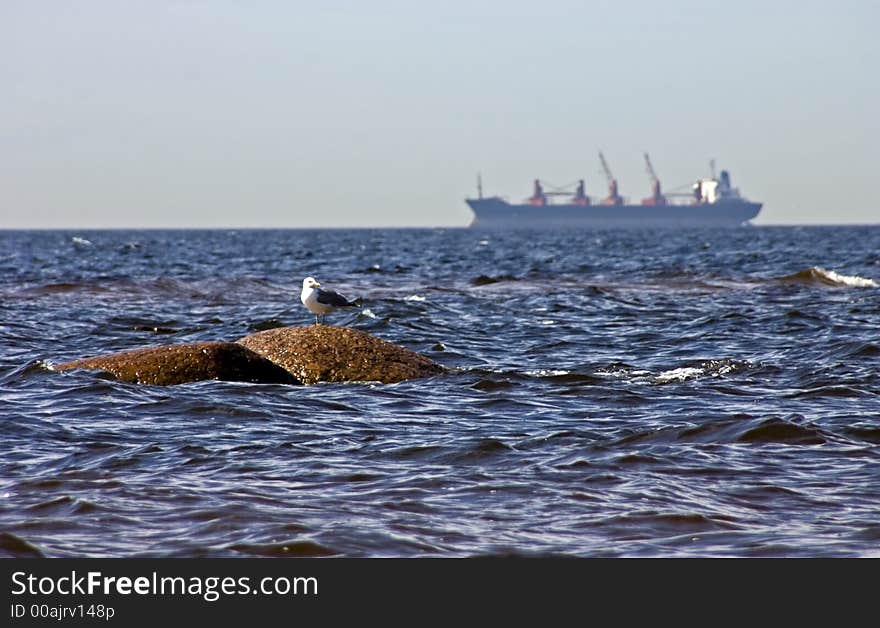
{"x": 226, "y": 113}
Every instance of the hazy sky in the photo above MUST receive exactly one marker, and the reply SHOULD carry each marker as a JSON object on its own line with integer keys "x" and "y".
{"x": 214, "y": 113}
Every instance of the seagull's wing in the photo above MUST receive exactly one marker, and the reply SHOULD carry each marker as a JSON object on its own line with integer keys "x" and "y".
{"x": 330, "y": 297}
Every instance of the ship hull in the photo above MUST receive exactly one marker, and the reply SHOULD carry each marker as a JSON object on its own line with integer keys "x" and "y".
{"x": 495, "y": 212}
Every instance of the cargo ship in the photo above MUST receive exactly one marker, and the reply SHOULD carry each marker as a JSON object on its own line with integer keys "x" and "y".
{"x": 712, "y": 202}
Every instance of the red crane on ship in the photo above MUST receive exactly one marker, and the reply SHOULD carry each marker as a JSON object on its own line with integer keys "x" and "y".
{"x": 580, "y": 195}
{"x": 656, "y": 197}
{"x": 538, "y": 197}
{"x": 613, "y": 197}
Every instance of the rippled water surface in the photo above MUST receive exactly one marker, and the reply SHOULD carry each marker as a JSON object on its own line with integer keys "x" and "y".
{"x": 613, "y": 393}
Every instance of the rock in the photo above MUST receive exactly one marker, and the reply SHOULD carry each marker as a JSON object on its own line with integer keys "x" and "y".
{"x": 324, "y": 353}
{"x": 178, "y": 364}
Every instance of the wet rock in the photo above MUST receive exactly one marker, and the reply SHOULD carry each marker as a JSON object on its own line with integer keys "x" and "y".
{"x": 178, "y": 364}
{"x": 324, "y": 353}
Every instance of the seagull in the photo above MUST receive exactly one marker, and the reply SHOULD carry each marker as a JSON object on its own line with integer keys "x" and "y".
{"x": 319, "y": 301}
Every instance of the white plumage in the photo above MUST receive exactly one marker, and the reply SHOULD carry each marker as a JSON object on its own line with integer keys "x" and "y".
{"x": 321, "y": 302}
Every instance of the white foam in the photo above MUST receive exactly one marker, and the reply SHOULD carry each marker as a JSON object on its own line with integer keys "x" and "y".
{"x": 80, "y": 241}
{"x": 367, "y": 312}
{"x": 847, "y": 280}
{"x": 546, "y": 373}
{"x": 622, "y": 373}
{"x": 414, "y": 297}
{"x": 724, "y": 370}
{"x": 679, "y": 374}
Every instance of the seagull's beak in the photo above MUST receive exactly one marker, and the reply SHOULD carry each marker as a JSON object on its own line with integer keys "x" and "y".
{"x": 315, "y": 283}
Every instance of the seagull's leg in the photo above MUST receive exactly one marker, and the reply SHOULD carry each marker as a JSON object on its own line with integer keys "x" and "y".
{"x": 316, "y": 319}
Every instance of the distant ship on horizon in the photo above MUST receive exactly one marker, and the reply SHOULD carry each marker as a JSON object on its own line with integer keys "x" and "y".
{"x": 711, "y": 202}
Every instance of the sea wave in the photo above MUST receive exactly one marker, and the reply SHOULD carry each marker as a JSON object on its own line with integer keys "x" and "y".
{"x": 816, "y": 275}
{"x": 486, "y": 280}
{"x": 162, "y": 286}
{"x": 689, "y": 371}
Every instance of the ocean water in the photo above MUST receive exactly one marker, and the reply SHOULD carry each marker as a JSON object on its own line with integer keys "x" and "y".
{"x": 611, "y": 393}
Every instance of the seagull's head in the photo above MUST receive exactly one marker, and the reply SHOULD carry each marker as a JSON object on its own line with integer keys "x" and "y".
{"x": 310, "y": 282}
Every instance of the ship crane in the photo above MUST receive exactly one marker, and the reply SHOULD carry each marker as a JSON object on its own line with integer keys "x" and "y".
{"x": 613, "y": 197}
{"x": 656, "y": 197}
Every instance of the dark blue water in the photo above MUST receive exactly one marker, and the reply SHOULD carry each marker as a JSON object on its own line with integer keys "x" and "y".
{"x": 613, "y": 393}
